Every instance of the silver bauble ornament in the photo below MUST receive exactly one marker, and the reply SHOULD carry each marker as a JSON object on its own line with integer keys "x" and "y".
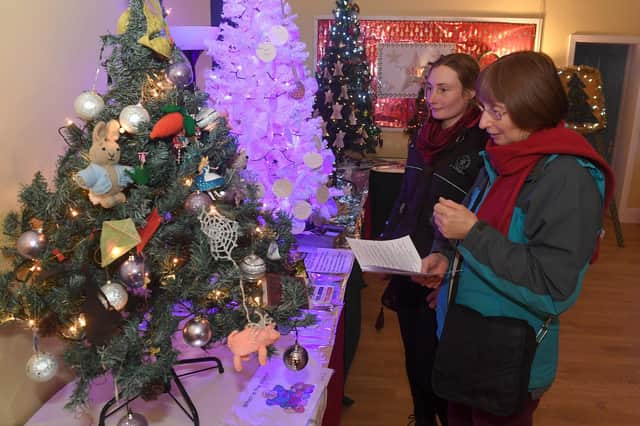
{"x": 88, "y": 105}
{"x": 133, "y": 419}
{"x": 206, "y": 118}
{"x": 197, "y": 201}
{"x": 31, "y": 244}
{"x": 180, "y": 74}
{"x": 253, "y": 268}
{"x": 295, "y": 357}
{"x": 115, "y": 294}
{"x": 197, "y": 332}
{"x": 133, "y": 271}
{"x": 42, "y": 366}
{"x": 133, "y": 117}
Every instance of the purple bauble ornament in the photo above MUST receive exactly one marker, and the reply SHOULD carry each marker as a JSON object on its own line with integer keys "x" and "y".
{"x": 198, "y": 201}
{"x": 180, "y": 74}
{"x": 133, "y": 271}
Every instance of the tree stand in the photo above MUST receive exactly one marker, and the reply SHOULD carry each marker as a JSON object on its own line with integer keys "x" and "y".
{"x": 190, "y": 410}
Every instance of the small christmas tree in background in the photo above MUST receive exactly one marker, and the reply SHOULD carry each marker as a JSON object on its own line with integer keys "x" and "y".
{"x": 260, "y": 82}
{"x": 117, "y": 269}
{"x": 579, "y": 109}
{"x": 420, "y": 115}
{"x": 344, "y": 99}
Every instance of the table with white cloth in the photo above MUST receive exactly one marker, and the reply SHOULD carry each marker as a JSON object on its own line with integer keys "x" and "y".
{"x": 231, "y": 398}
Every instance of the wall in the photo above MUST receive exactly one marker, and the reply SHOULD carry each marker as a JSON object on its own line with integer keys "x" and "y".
{"x": 561, "y": 18}
{"x": 50, "y": 53}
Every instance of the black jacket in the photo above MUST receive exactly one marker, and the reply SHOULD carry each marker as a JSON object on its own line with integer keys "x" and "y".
{"x": 455, "y": 170}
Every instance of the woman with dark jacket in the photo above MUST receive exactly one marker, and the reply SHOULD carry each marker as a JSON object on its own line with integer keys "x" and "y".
{"x": 443, "y": 161}
{"x": 531, "y": 228}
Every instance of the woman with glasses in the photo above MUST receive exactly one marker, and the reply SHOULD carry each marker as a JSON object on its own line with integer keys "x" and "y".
{"x": 443, "y": 161}
{"x": 534, "y": 218}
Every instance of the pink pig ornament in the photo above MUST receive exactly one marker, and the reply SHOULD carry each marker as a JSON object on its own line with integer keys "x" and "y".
{"x": 253, "y": 338}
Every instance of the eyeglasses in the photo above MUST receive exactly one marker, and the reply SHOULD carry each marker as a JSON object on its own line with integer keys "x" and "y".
{"x": 494, "y": 114}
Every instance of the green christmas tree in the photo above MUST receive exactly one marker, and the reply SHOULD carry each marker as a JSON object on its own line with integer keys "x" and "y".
{"x": 115, "y": 260}
{"x": 344, "y": 98}
{"x": 420, "y": 114}
{"x": 579, "y": 109}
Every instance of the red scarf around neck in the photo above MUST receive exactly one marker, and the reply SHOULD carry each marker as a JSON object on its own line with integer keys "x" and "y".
{"x": 433, "y": 138}
{"x": 515, "y": 161}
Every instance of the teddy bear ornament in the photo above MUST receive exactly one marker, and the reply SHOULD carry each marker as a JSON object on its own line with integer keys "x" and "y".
{"x": 104, "y": 177}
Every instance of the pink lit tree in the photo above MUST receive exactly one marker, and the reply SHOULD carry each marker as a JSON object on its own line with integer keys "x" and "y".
{"x": 260, "y": 82}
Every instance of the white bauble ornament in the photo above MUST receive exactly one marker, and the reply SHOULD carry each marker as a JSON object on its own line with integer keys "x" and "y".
{"x": 42, "y": 366}
{"x": 116, "y": 295}
{"x": 278, "y": 35}
{"x": 133, "y": 117}
{"x": 88, "y": 105}
{"x": 313, "y": 160}
{"x": 282, "y": 188}
{"x": 322, "y": 194}
{"x": 266, "y": 51}
{"x": 302, "y": 210}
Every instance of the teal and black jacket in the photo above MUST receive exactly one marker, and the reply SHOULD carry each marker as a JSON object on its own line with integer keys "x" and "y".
{"x": 537, "y": 271}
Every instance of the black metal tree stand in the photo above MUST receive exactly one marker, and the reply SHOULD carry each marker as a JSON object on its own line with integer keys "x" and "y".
{"x": 190, "y": 410}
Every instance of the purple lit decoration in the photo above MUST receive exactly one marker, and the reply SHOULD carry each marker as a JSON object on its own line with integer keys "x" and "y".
{"x": 260, "y": 62}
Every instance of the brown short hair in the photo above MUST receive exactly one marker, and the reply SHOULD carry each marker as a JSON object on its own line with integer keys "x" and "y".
{"x": 464, "y": 65}
{"x": 527, "y": 83}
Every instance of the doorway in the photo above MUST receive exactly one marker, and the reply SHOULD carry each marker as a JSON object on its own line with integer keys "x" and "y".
{"x": 618, "y": 59}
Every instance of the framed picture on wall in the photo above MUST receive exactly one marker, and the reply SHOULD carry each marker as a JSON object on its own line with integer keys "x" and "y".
{"x": 399, "y": 49}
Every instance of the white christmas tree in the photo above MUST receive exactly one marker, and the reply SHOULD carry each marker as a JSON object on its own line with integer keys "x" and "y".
{"x": 261, "y": 83}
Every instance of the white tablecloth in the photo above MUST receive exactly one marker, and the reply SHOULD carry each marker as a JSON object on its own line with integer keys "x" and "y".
{"x": 219, "y": 398}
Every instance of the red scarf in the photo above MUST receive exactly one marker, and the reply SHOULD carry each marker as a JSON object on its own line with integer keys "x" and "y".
{"x": 515, "y": 161}
{"x": 433, "y": 138}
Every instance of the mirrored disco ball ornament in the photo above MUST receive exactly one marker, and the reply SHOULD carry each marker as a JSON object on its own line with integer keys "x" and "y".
{"x": 133, "y": 419}
{"x": 31, "y": 244}
{"x": 132, "y": 271}
{"x": 42, "y": 366}
{"x": 295, "y": 357}
{"x": 197, "y": 201}
{"x": 88, "y": 105}
{"x": 197, "y": 332}
{"x": 180, "y": 74}
{"x": 133, "y": 117}
{"x": 115, "y": 294}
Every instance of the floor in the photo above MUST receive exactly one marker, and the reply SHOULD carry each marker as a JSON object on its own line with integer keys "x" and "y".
{"x": 598, "y": 380}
